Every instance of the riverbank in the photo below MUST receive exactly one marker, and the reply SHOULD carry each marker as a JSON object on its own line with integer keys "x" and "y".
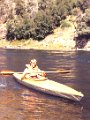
{"x": 61, "y": 39}
{"x": 30, "y": 44}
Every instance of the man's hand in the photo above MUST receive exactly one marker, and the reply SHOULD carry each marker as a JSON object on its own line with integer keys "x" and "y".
{"x": 43, "y": 74}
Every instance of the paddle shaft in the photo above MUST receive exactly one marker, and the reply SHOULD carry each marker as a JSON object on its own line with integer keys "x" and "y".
{"x": 12, "y": 72}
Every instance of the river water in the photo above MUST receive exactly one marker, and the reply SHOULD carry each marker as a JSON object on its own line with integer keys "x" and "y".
{"x": 17, "y": 102}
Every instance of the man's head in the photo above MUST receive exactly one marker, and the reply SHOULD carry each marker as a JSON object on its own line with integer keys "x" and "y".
{"x": 33, "y": 63}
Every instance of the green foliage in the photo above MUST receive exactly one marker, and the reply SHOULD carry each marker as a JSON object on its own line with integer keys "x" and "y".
{"x": 84, "y": 4}
{"x": 65, "y": 24}
{"x": 49, "y": 16}
{"x": 18, "y": 29}
{"x": 84, "y": 24}
{"x": 44, "y": 25}
{"x": 36, "y": 28}
{"x": 83, "y": 29}
{"x": 20, "y": 9}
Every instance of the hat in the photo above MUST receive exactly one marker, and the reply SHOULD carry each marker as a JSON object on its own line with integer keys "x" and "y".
{"x": 33, "y": 61}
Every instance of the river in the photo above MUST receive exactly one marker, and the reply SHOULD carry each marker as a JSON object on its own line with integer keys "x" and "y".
{"x": 17, "y": 102}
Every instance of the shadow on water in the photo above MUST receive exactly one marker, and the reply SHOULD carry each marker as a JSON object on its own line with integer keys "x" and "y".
{"x": 22, "y": 103}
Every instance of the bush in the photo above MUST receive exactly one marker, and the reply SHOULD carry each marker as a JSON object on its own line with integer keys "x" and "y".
{"x": 65, "y": 24}
{"x": 44, "y": 25}
{"x": 18, "y": 29}
{"x": 83, "y": 30}
{"x": 36, "y": 28}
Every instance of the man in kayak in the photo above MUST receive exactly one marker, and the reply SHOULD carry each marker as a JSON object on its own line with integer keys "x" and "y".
{"x": 33, "y": 71}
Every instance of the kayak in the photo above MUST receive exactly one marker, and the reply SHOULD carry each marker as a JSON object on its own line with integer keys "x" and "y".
{"x": 50, "y": 87}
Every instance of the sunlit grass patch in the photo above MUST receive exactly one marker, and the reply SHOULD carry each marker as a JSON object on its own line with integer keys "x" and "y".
{"x": 4, "y": 43}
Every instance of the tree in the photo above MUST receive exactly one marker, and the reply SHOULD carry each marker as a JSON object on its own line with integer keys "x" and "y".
{"x": 49, "y": 16}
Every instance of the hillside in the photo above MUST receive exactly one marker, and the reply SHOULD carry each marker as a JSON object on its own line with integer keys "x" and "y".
{"x": 46, "y": 24}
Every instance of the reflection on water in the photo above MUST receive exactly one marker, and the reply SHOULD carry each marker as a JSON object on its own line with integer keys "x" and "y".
{"x": 49, "y": 109}
{"x": 28, "y": 105}
{"x": 2, "y": 85}
{"x": 3, "y": 82}
{"x": 20, "y": 103}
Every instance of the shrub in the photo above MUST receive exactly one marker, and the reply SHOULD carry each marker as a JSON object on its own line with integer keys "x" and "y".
{"x": 65, "y": 24}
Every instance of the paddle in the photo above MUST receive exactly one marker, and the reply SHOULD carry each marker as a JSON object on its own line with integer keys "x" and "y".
{"x": 9, "y": 72}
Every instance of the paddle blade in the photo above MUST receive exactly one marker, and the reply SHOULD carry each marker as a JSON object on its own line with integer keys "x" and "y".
{"x": 63, "y": 71}
{"x": 6, "y": 72}
{"x": 58, "y": 71}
